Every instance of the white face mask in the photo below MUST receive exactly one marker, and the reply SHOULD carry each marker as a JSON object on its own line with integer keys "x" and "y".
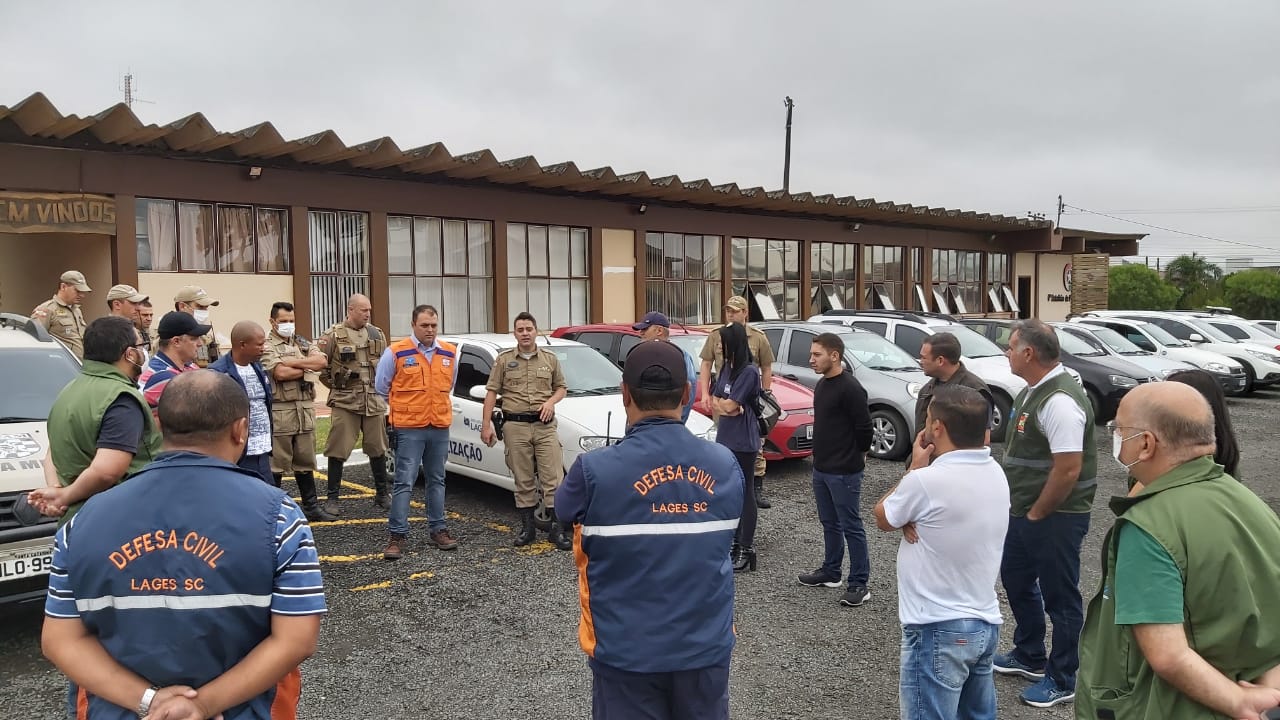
{"x": 201, "y": 315}
{"x": 285, "y": 329}
{"x": 1117, "y": 443}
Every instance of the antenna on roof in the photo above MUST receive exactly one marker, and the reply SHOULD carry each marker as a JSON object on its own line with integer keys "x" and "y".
{"x": 129, "y": 87}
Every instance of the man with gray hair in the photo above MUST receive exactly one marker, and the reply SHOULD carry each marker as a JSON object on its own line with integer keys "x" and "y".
{"x": 1191, "y": 548}
{"x": 1050, "y": 459}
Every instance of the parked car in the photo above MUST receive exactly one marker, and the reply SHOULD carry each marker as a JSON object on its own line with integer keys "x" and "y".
{"x": 1272, "y": 325}
{"x": 909, "y": 330}
{"x": 891, "y": 377}
{"x": 36, "y": 368}
{"x": 590, "y": 416}
{"x": 1243, "y": 330}
{"x": 1114, "y": 344}
{"x": 1261, "y": 362}
{"x": 1155, "y": 339}
{"x": 791, "y": 437}
{"x": 996, "y": 330}
{"x": 1107, "y": 379}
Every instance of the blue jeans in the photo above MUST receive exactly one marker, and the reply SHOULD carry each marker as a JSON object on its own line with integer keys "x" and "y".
{"x": 946, "y": 671}
{"x": 1041, "y": 573}
{"x": 427, "y": 447}
{"x": 838, "y": 498}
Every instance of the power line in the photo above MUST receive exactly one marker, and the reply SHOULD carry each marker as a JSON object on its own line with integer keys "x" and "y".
{"x": 1198, "y": 211}
{"x": 1172, "y": 230}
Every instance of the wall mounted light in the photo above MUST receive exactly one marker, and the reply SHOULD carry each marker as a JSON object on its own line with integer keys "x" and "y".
{"x": 642, "y": 209}
{"x": 853, "y": 227}
{"x": 255, "y": 172}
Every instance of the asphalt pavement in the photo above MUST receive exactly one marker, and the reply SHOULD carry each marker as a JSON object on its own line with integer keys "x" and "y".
{"x": 490, "y": 631}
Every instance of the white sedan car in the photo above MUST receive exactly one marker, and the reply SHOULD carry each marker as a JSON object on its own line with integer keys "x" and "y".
{"x": 590, "y": 416}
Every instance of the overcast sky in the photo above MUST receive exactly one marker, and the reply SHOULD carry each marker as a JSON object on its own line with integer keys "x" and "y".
{"x": 987, "y": 105}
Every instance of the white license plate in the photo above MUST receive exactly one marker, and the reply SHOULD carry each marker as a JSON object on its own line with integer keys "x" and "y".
{"x": 808, "y": 432}
{"x": 27, "y": 562}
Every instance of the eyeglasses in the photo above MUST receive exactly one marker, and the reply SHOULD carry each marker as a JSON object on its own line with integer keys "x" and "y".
{"x": 1112, "y": 427}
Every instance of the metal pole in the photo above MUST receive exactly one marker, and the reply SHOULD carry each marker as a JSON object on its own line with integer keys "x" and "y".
{"x": 786, "y": 162}
{"x": 1059, "y": 223}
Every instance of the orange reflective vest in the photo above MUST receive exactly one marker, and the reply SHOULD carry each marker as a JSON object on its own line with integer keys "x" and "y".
{"x": 419, "y": 395}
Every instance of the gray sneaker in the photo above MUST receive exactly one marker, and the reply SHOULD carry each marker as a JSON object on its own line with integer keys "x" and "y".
{"x": 855, "y": 596}
{"x": 331, "y": 507}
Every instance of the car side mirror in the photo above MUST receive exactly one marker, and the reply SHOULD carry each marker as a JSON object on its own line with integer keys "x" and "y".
{"x": 478, "y": 392}
{"x": 1196, "y": 338}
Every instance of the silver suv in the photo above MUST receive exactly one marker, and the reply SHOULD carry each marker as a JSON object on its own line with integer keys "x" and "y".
{"x": 36, "y": 368}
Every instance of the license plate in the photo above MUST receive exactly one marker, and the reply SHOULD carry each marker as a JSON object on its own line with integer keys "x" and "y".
{"x": 27, "y": 562}
{"x": 808, "y": 432}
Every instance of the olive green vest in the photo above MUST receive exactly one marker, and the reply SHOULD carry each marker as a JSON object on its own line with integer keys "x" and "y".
{"x": 76, "y": 416}
{"x": 1223, "y": 539}
{"x": 1027, "y": 459}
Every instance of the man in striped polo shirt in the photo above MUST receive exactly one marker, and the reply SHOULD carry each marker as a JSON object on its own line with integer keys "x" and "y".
{"x": 192, "y": 590}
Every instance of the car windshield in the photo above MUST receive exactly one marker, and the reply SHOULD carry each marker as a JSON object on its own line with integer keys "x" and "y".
{"x": 1077, "y": 344}
{"x": 1116, "y": 341}
{"x": 972, "y": 344}
{"x": 1211, "y": 332}
{"x": 1261, "y": 330}
{"x": 1161, "y": 335}
{"x": 587, "y": 372}
{"x": 876, "y": 352}
{"x": 691, "y": 344}
{"x": 33, "y": 379}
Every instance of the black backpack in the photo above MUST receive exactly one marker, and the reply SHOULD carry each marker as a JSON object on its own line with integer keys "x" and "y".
{"x": 768, "y": 412}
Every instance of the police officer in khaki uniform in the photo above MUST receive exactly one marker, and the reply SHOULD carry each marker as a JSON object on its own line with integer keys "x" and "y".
{"x": 531, "y": 383}
{"x": 736, "y": 310}
{"x": 123, "y": 301}
{"x": 351, "y": 349}
{"x": 61, "y": 315}
{"x": 294, "y": 365}
{"x": 193, "y": 300}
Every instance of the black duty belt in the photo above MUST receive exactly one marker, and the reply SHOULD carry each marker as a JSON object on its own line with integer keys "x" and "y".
{"x": 522, "y": 417}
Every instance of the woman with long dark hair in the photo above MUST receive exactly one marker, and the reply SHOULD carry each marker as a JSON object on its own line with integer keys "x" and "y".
{"x": 1228, "y": 453}
{"x": 734, "y": 396}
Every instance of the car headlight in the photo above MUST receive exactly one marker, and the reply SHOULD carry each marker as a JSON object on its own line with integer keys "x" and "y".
{"x": 710, "y": 434}
{"x": 595, "y": 442}
{"x": 1217, "y": 367}
{"x": 1264, "y": 355}
{"x": 1123, "y": 381}
{"x": 913, "y": 389}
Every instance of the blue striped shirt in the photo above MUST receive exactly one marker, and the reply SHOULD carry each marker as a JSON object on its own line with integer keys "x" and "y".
{"x": 298, "y": 588}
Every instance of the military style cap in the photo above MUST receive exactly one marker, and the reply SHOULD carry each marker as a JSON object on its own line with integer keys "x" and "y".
{"x": 194, "y": 294}
{"x": 655, "y": 365}
{"x": 76, "y": 278}
{"x": 125, "y": 292}
{"x": 737, "y": 302}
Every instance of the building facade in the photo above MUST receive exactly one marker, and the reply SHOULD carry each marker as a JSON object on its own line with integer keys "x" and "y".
{"x": 254, "y": 219}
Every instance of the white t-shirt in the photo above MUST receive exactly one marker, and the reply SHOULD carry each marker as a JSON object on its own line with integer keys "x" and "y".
{"x": 259, "y": 418}
{"x": 1060, "y": 418}
{"x": 960, "y": 505}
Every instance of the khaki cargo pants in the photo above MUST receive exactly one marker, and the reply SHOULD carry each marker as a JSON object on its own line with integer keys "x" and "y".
{"x": 345, "y": 426}
{"x": 534, "y": 448}
{"x": 293, "y": 437}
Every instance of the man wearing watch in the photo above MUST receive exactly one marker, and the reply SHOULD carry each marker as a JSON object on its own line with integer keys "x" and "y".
{"x": 194, "y": 589}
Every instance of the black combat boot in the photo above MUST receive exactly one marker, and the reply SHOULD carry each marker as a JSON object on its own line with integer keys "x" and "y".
{"x": 761, "y": 502}
{"x": 528, "y": 531}
{"x": 556, "y": 534}
{"x": 277, "y": 478}
{"x": 378, "y": 466}
{"x": 335, "y": 486}
{"x": 310, "y": 503}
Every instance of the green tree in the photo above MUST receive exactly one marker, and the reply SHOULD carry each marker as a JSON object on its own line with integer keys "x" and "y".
{"x": 1254, "y": 294}
{"x": 1199, "y": 281}
{"x": 1138, "y": 287}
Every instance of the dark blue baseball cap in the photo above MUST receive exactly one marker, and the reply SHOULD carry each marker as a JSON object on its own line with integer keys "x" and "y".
{"x": 651, "y": 318}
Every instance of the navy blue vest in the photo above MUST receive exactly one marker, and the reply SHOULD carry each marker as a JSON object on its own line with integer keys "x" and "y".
{"x": 173, "y": 572}
{"x": 653, "y": 550}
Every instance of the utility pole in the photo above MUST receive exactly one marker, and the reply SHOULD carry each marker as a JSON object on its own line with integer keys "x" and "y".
{"x": 786, "y": 161}
{"x": 1059, "y": 223}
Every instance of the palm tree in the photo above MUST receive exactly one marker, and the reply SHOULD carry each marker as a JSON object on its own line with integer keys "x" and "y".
{"x": 1195, "y": 277}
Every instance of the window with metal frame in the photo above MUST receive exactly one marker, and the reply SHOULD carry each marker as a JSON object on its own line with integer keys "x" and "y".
{"x": 339, "y": 245}
{"x": 548, "y": 273}
{"x": 768, "y": 272}
{"x": 833, "y": 275}
{"x": 443, "y": 262}
{"x": 175, "y": 236}
{"x": 999, "y": 293}
{"x": 683, "y": 276}
{"x": 957, "y": 281}
{"x": 882, "y": 277}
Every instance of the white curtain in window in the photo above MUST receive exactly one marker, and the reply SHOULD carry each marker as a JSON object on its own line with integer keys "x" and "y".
{"x": 400, "y": 305}
{"x": 196, "y": 239}
{"x": 517, "y": 298}
{"x": 539, "y": 299}
{"x": 517, "y": 262}
{"x": 454, "y": 317}
{"x": 455, "y": 247}
{"x": 578, "y": 253}
{"x": 480, "y": 302}
{"x": 235, "y": 239}
{"x": 561, "y": 304}
{"x": 479, "y": 247}
{"x": 162, "y": 235}
{"x": 580, "y": 302}
{"x": 273, "y": 240}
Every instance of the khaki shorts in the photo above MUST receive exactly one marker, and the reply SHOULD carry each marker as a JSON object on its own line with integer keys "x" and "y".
{"x": 293, "y": 453}
{"x": 345, "y": 426}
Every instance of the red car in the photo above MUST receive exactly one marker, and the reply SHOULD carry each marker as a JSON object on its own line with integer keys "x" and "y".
{"x": 792, "y": 437}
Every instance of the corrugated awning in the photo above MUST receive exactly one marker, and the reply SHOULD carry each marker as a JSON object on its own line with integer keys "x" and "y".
{"x": 37, "y": 121}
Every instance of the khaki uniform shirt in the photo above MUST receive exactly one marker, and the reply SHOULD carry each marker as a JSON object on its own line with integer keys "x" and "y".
{"x": 757, "y": 344}
{"x": 353, "y": 360}
{"x": 64, "y": 322}
{"x": 293, "y": 410}
{"x": 207, "y": 349}
{"x": 525, "y": 384}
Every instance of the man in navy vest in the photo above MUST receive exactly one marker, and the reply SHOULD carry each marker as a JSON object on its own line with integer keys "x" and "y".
{"x": 248, "y": 341}
{"x": 654, "y": 517}
{"x": 193, "y": 589}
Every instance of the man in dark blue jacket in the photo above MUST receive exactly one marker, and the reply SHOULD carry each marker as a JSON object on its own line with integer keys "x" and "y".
{"x": 654, "y": 517}
{"x": 248, "y": 341}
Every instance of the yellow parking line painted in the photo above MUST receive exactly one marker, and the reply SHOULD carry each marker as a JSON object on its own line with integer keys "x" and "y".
{"x": 499, "y": 527}
{"x": 421, "y": 575}
{"x": 349, "y": 558}
{"x": 541, "y": 547}
{"x": 360, "y": 521}
{"x": 375, "y": 586}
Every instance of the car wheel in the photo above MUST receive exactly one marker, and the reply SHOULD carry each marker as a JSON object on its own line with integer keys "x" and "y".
{"x": 541, "y": 516}
{"x": 1096, "y": 402}
{"x": 1000, "y": 416}
{"x": 889, "y": 437}
{"x": 1249, "y": 377}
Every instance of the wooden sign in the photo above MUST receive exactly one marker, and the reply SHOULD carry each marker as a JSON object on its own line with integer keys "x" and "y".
{"x": 1088, "y": 278}
{"x": 57, "y": 212}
